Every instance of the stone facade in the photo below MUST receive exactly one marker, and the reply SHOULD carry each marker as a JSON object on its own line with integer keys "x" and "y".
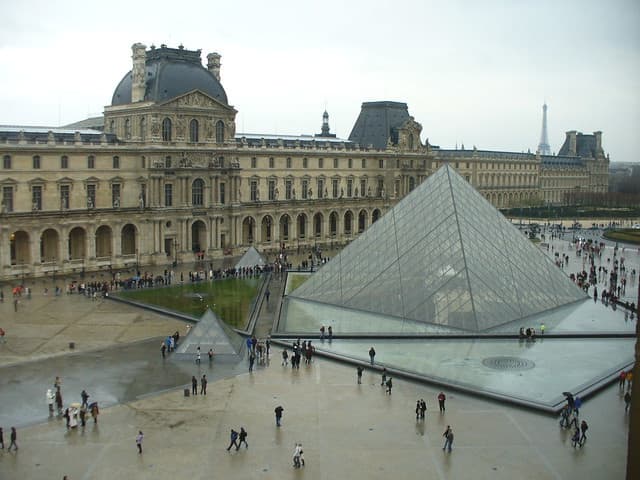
{"x": 170, "y": 178}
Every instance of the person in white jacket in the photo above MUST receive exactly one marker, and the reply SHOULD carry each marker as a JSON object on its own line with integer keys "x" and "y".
{"x": 50, "y": 398}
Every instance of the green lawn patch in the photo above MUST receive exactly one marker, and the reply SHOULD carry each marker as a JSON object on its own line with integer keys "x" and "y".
{"x": 295, "y": 280}
{"x": 628, "y": 235}
{"x": 231, "y": 299}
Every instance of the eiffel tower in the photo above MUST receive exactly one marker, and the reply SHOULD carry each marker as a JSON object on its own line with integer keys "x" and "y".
{"x": 543, "y": 147}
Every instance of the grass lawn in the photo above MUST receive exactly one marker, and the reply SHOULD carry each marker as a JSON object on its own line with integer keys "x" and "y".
{"x": 628, "y": 235}
{"x": 231, "y": 299}
{"x": 295, "y": 280}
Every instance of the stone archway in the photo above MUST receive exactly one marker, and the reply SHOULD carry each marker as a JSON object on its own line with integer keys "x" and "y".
{"x": 318, "y": 221}
{"x": 301, "y": 223}
{"x": 375, "y": 216}
{"x": 285, "y": 227}
{"x": 77, "y": 243}
{"x": 128, "y": 240}
{"x": 19, "y": 246}
{"x": 362, "y": 221}
{"x": 103, "y": 241}
{"x": 49, "y": 246}
{"x": 198, "y": 236}
{"x": 348, "y": 222}
{"x": 267, "y": 228}
{"x": 248, "y": 230}
{"x": 333, "y": 224}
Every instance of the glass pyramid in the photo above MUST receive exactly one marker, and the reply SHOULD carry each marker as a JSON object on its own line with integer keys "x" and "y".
{"x": 443, "y": 256}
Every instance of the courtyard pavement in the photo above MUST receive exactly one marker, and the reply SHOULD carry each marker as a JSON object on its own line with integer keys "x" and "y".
{"x": 347, "y": 430}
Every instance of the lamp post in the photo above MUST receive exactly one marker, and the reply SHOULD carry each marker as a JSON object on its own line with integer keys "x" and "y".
{"x": 175, "y": 252}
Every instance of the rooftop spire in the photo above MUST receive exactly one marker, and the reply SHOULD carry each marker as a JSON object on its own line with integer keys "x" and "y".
{"x": 543, "y": 147}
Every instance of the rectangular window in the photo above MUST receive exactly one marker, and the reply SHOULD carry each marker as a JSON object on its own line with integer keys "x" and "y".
{"x": 168, "y": 194}
{"x": 305, "y": 163}
{"x": 272, "y": 189}
{"x": 64, "y": 162}
{"x": 287, "y": 189}
{"x": 350, "y": 187}
{"x": 91, "y": 196}
{"x": 254, "y": 162}
{"x": 335, "y": 163}
{"x": 36, "y": 162}
{"x": 364, "y": 163}
{"x": 305, "y": 189}
{"x": 363, "y": 187}
{"x": 222, "y": 193}
{"x": 350, "y": 163}
{"x": 288, "y": 162}
{"x": 7, "y": 199}
{"x": 116, "y": 162}
{"x": 334, "y": 187}
{"x": 320, "y": 163}
{"x": 397, "y": 163}
{"x": 271, "y": 162}
{"x": 320, "y": 188}
{"x": 254, "y": 191}
{"x": 6, "y": 162}
{"x": 91, "y": 162}
{"x": 381, "y": 163}
{"x": 115, "y": 195}
{"x": 36, "y": 198}
{"x": 64, "y": 197}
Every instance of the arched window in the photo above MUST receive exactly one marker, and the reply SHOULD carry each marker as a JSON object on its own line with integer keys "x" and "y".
{"x": 193, "y": 130}
{"x": 197, "y": 192}
{"x": 143, "y": 129}
{"x": 166, "y": 130}
{"x": 219, "y": 131}
{"x": 127, "y": 129}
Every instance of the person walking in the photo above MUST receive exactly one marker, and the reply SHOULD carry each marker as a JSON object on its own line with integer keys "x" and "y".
{"x": 163, "y": 349}
{"x": 285, "y": 358}
{"x": 621, "y": 379}
{"x": 1, "y": 439}
{"x": 198, "y": 356}
{"x": 13, "y": 438}
{"x": 627, "y": 401}
{"x": 359, "y": 370}
{"x": 575, "y": 439}
{"x": 384, "y": 377}
{"x": 296, "y": 456}
{"x": 583, "y": 429}
{"x": 50, "y": 399}
{"x": 389, "y": 385}
{"x": 194, "y": 385}
{"x": 210, "y": 353}
{"x": 423, "y": 408}
{"x": 203, "y": 385}
{"x": 234, "y": 440}
{"x": 95, "y": 411}
{"x": 441, "y": 399}
{"x": 59, "y": 401}
{"x": 252, "y": 359}
{"x": 85, "y": 396}
{"x": 242, "y": 438}
{"x": 139, "y": 439}
{"x": 448, "y": 438}
{"x": 372, "y": 354}
{"x": 417, "y": 409}
{"x": 278, "y": 411}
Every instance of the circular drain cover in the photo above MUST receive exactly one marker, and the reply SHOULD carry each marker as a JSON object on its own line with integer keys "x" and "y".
{"x": 508, "y": 363}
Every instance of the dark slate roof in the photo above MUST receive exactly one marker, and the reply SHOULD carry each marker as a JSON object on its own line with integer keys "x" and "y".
{"x": 585, "y": 146}
{"x": 172, "y": 72}
{"x": 377, "y": 122}
{"x": 444, "y": 154}
{"x": 41, "y": 134}
{"x": 292, "y": 141}
{"x": 557, "y": 161}
{"x": 93, "y": 123}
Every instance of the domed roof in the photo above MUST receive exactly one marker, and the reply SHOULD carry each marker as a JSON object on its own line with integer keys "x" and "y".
{"x": 170, "y": 73}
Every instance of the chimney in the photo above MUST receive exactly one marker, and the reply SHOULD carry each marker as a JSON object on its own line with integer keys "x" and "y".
{"x": 598, "y": 136}
{"x": 138, "y": 72}
{"x": 572, "y": 140}
{"x": 213, "y": 64}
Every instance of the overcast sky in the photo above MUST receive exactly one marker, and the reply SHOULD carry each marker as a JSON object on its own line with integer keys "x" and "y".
{"x": 475, "y": 72}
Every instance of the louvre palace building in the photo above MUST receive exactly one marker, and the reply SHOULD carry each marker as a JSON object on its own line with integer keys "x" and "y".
{"x": 163, "y": 176}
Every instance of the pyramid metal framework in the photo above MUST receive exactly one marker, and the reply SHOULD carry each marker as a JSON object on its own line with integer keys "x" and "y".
{"x": 210, "y": 332}
{"x": 443, "y": 255}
